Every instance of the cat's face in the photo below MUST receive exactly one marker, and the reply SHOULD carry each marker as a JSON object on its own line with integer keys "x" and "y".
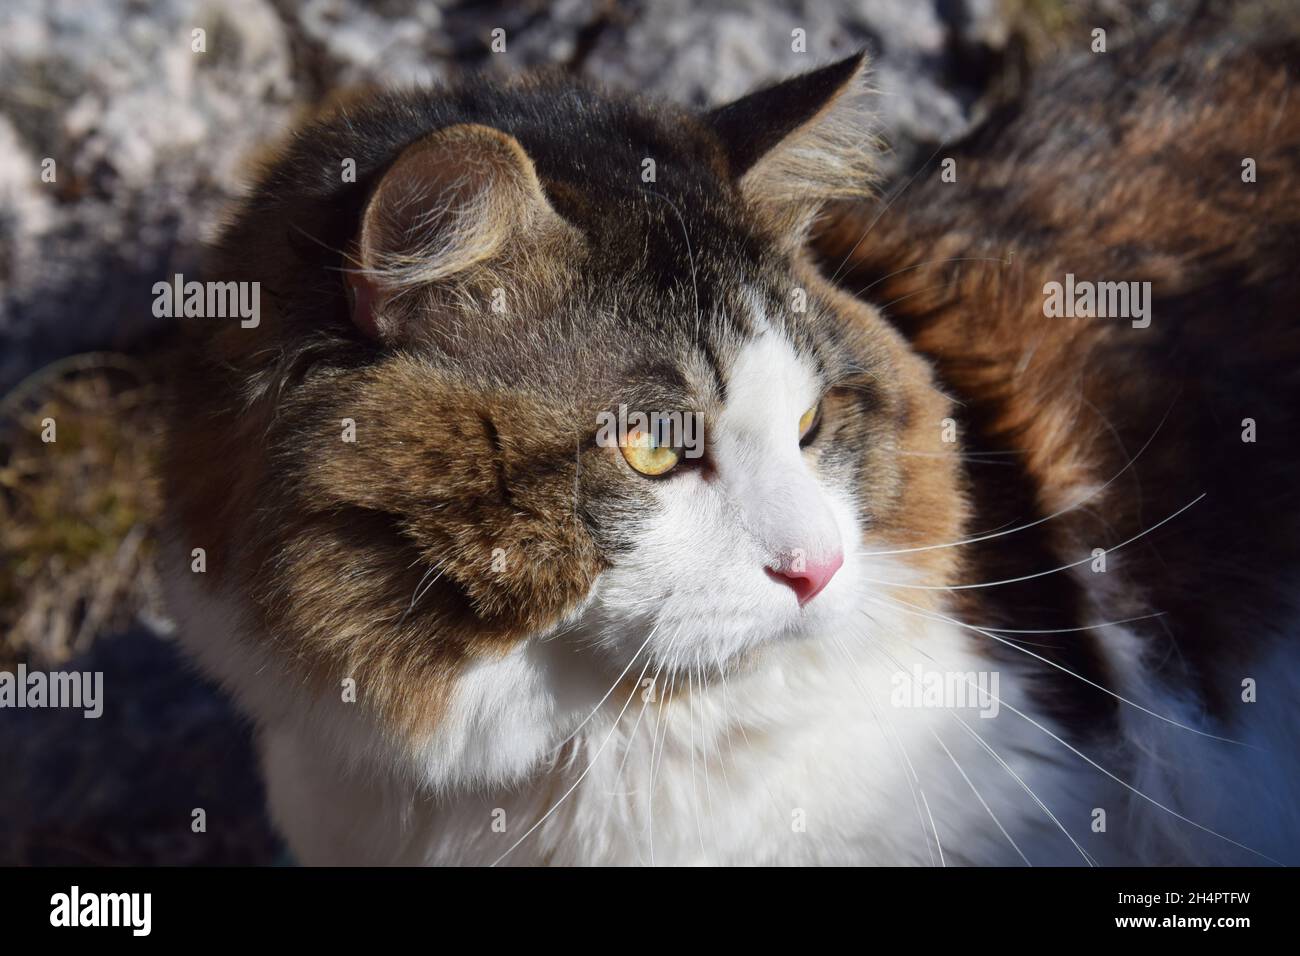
{"x": 585, "y": 406}
{"x": 755, "y": 540}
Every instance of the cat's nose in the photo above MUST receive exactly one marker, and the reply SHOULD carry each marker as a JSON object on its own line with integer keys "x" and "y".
{"x": 810, "y": 579}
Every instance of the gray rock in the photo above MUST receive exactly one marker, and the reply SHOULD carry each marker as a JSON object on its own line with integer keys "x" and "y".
{"x": 707, "y": 56}
{"x": 147, "y": 138}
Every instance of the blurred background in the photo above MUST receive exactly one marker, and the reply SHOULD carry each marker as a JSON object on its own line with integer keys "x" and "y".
{"x": 151, "y": 141}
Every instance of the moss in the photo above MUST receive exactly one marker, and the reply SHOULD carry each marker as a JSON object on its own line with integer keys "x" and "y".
{"x": 77, "y": 515}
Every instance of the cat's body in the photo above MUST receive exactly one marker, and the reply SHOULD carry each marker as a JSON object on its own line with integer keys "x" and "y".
{"x": 472, "y": 634}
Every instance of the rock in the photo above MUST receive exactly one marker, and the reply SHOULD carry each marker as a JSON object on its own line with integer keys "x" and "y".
{"x": 708, "y": 55}
{"x": 148, "y": 139}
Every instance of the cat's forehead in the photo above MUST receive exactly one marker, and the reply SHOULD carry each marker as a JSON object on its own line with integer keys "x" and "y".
{"x": 746, "y": 330}
{"x": 646, "y": 337}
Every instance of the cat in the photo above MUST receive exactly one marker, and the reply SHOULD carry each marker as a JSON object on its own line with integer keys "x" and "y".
{"x": 952, "y": 582}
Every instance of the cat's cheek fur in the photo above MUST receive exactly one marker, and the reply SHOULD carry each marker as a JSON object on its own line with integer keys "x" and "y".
{"x": 502, "y": 711}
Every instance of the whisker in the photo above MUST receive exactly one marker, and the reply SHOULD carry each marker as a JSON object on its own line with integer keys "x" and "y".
{"x": 660, "y": 745}
{"x": 740, "y": 725}
{"x": 704, "y": 739}
{"x": 910, "y": 774}
{"x": 1126, "y": 785}
{"x": 916, "y": 292}
{"x": 1123, "y": 783}
{"x": 929, "y": 262}
{"x": 421, "y": 589}
{"x": 695, "y": 793}
{"x": 595, "y": 710}
{"x": 631, "y": 738}
{"x": 1005, "y": 766}
{"x": 1037, "y": 574}
{"x": 1065, "y": 670}
{"x": 1072, "y": 630}
{"x": 689, "y": 254}
{"x": 582, "y": 776}
{"x": 983, "y": 803}
{"x": 1087, "y": 857}
{"x": 1033, "y": 524}
{"x": 942, "y": 862}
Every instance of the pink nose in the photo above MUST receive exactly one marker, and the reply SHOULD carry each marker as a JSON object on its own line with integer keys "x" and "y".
{"x": 809, "y": 582}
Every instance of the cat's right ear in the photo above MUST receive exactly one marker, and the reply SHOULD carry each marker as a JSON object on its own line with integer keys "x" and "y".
{"x": 799, "y": 144}
{"x": 450, "y": 207}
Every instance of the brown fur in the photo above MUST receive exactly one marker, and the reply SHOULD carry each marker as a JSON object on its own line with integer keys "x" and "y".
{"x": 1127, "y": 170}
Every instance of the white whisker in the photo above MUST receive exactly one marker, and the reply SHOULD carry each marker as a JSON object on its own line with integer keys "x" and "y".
{"x": 1005, "y": 766}
{"x": 1123, "y": 783}
{"x": 1087, "y": 857}
{"x": 1037, "y": 574}
{"x": 913, "y": 780}
{"x": 595, "y": 710}
{"x": 1025, "y": 527}
{"x": 901, "y": 604}
{"x": 885, "y": 208}
{"x": 942, "y": 862}
{"x": 582, "y": 776}
{"x": 980, "y": 798}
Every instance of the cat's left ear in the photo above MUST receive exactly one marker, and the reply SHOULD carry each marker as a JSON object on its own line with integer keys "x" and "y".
{"x": 794, "y": 146}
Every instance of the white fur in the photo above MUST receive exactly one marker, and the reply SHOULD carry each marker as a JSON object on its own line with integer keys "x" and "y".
{"x": 798, "y": 756}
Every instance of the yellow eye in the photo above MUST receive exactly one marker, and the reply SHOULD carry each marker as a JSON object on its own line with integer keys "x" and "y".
{"x": 647, "y": 457}
{"x": 808, "y": 420}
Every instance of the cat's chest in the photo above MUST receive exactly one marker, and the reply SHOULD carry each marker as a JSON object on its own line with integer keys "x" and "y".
{"x": 885, "y": 746}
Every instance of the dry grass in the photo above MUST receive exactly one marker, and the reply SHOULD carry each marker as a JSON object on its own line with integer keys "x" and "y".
{"x": 78, "y": 515}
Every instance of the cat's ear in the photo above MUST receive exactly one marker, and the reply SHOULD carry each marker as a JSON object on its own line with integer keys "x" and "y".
{"x": 794, "y": 146}
{"x": 450, "y": 207}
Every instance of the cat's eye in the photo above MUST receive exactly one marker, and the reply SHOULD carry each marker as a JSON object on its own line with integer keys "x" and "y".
{"x": 808, "y": 422}
{"x": 647, "y": 456}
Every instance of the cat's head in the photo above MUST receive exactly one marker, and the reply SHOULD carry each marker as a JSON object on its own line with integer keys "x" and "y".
{"x": 559, "y": 368}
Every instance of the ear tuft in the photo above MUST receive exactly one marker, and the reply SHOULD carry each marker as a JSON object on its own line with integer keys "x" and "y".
{"x": 806, "y": 141}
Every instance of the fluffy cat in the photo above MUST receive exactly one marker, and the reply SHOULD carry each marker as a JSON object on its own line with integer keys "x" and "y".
{"x": 867, "y": 624}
